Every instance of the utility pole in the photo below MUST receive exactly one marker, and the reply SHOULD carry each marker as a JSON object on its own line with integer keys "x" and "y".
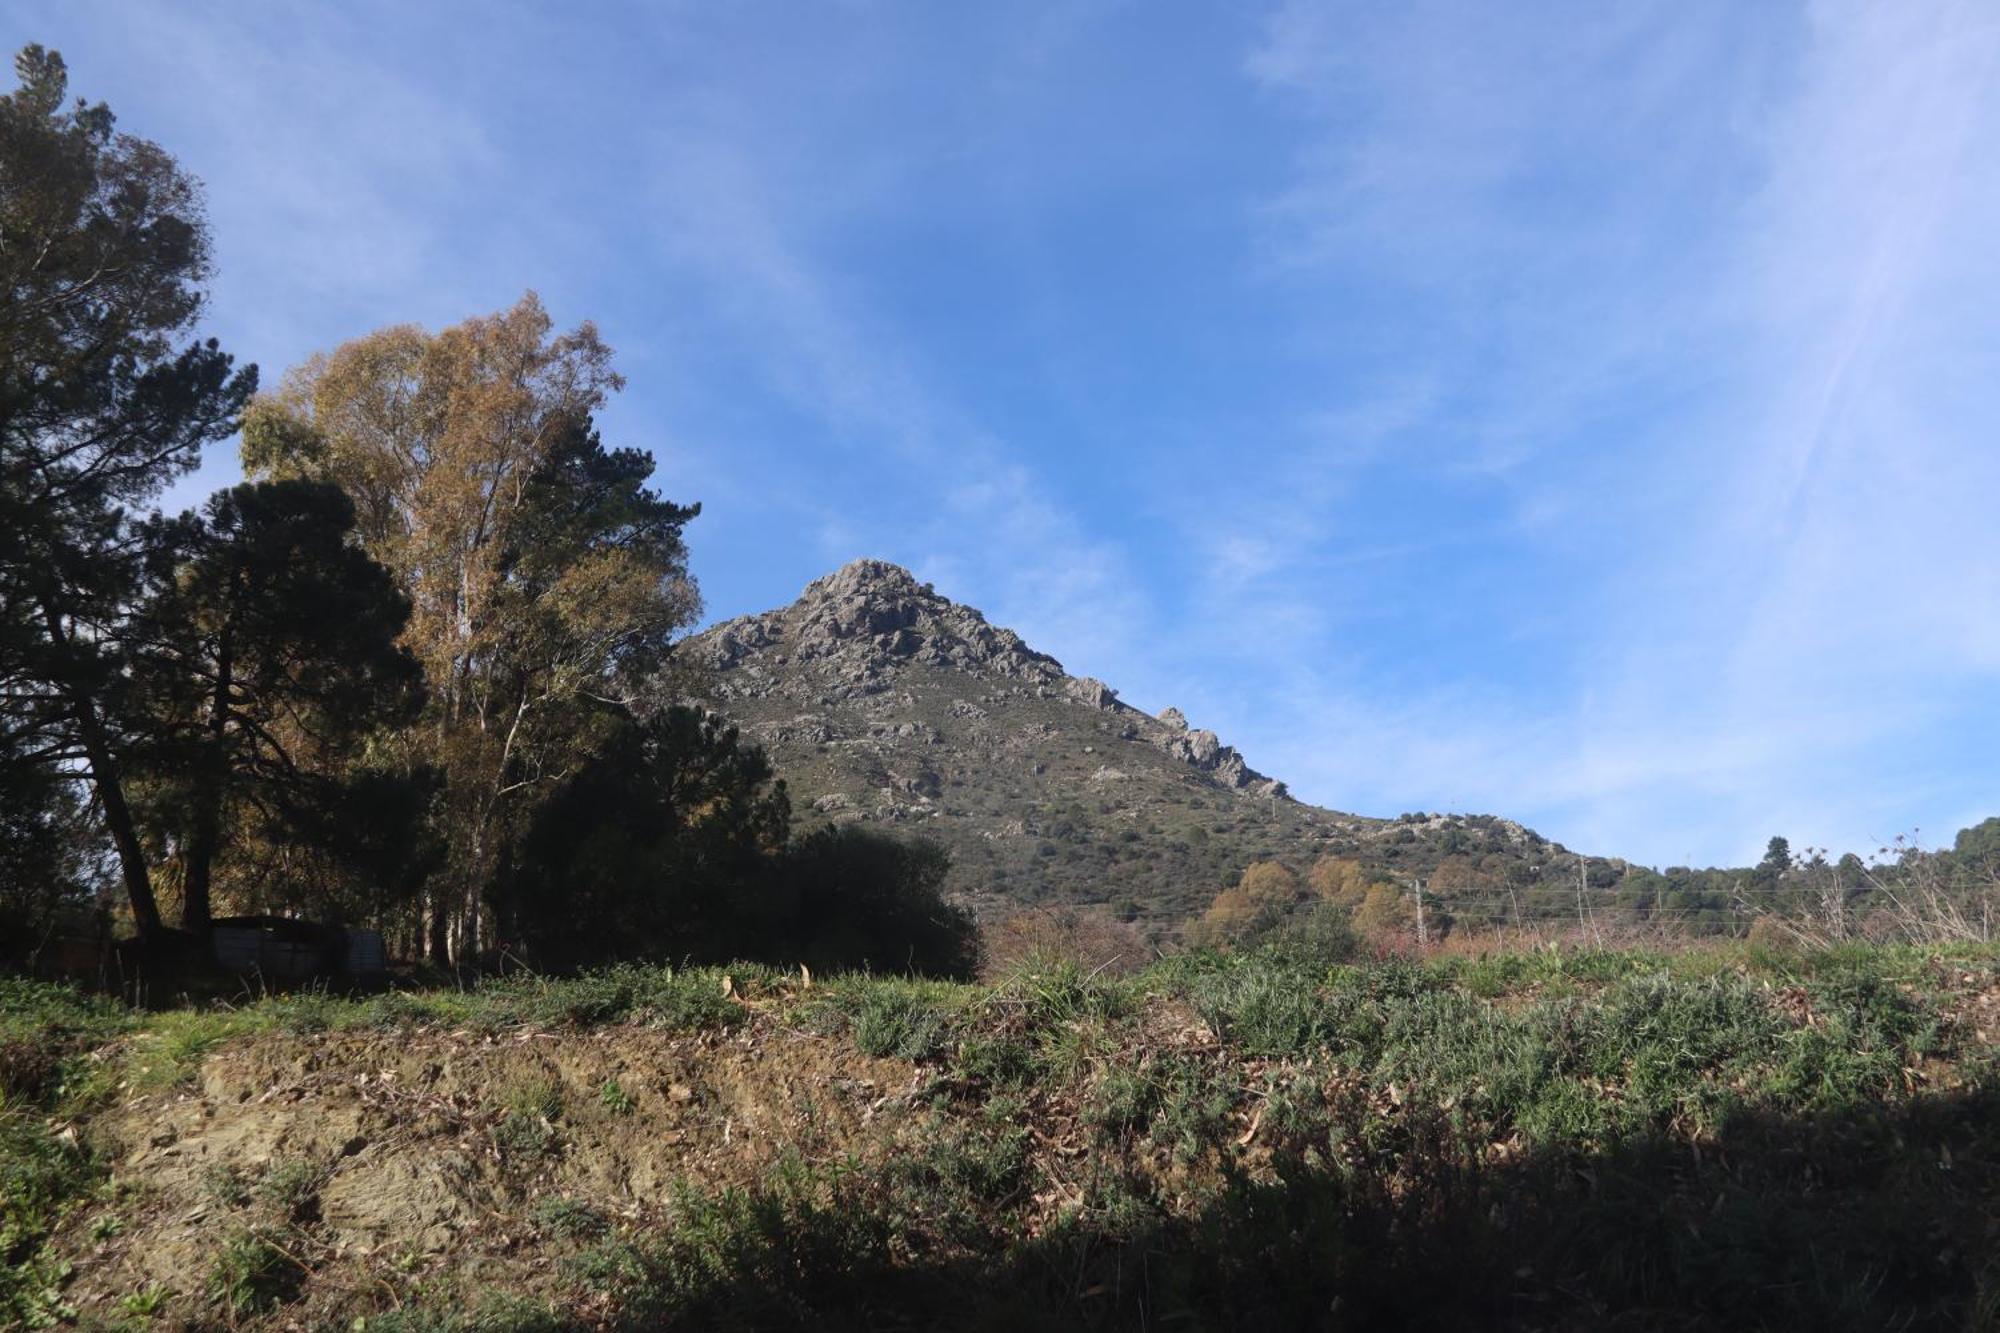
{"x": 1423, "y": 935}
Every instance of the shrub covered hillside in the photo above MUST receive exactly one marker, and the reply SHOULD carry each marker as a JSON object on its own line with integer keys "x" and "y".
{"x": 1729, "y": 1138}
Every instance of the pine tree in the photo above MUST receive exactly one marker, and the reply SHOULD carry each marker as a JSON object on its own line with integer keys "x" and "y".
{"x": 104, "y": 399}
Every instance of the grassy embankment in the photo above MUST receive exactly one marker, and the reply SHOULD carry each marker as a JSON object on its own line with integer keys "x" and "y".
{"x": 1718, "y": 1138}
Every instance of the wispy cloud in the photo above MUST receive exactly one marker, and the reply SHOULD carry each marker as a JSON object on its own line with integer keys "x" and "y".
{"x": 1771, "y": 571}
{"x": 1572, "y": 411}
{"x": 939, "y": 489}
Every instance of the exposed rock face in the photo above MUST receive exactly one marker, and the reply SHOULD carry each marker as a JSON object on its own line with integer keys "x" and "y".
{"x": 881, "y": 700}
{"x": 870, "y": 616}
{"x": 856, "y": 630}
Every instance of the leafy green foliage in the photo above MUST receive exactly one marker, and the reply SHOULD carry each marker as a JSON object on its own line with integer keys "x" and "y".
{"x": 253, "y": 1272}
{"x": 103, "y": 257}
{"x": 569, "y": 1218}
{"x": 266, "y": 646}
{"x": 42, "y": 1175}
{"x": 657, "y": 848}
{"x": 852, "y": 898}
{"x": 898, "y": 1018}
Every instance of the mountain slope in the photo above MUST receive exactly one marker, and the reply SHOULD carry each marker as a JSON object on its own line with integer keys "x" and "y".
{"x": 881, "y": 700}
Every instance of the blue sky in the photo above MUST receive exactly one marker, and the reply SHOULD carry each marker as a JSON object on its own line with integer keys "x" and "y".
{"x": 1582, "y": 412}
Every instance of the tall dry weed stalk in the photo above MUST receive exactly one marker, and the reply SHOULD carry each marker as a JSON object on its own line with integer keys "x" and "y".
{"x": 1908, "y": 893}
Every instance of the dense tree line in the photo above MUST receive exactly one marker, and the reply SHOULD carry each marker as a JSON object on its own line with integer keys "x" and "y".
{"x": 1342, "y": 905}
{"x": 417, "y": 671}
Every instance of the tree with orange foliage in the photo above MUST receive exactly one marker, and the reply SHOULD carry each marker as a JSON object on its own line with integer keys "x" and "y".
{"x": 1264, "y": 896}
{"x": 1338, "y": 880}
{"x": 1385, "y": 912}
{"x": 544, "y": 577}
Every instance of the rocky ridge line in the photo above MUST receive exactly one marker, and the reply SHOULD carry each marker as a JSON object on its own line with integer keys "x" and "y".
{"x": 853, "y": 633}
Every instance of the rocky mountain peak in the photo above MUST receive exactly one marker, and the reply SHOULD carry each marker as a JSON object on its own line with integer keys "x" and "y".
{"x": 870, "y": 617}
{"x": 881, "y": 700}
{"x": 862, "y": 578}
{"x": 869, "y": 637}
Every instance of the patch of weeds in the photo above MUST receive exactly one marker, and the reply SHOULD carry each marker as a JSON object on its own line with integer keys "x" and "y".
{"x": 524, "y": 1138}
{"x": 42, "y": 1176}
{"x": 613, "y": 1265}
{"x": 226, "y": 1185}
{"x": 1117, "y": 1205}
{"x": 571, "y": 1219}
{"x": 1065, "y": 1053}
{"x": 1565, "y": 1111}
{"x": 291, "y": 1189}
{"x": 690, "y": 1000}
{"x": 527, "y": 1129}
{"x": 1121, "y": 1101}
{"x": 1867, "y": 1032}
{"x": 253, "y": 1273}
{"x": 1670, "y": 1041}
{"x": 174, "y": 1044}
{"x": 391, "y": 1011}
{"x": 899, "y": 1019}
{"x": 1061, "y": 992}
{"x": 29, "y": 1068}
{"x": 1195, "y": 1101}
{"x": 1295, "y": 1115}
{"x": 304, "y": 1012}
{"x": 590, "y": 1000}
{"x": 40, "y": 1016}
{"x": 1595, "y": 966}
{"x": 764, "y": 1258}
{"x": 1504, "y": 1068}
{"x": 542, "y": 1097}
{"x": 993, "y": 1059}
{"x": 1265, "y": 1010}
{"x": 494, "y": 1312}
{"x": 104, "y": 1226}
{"x": 687, "y": 1000}
{"x": 1490, "y": 976}
{"x": 613, "y": 1097}
{"x": 958, "y": 1181}
{"x": 146, "y": 1302}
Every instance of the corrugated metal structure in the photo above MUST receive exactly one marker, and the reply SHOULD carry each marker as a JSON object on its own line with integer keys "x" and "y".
{"x": 285, "y": 949}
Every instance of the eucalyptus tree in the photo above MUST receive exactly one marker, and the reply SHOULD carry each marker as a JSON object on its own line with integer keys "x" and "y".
{"x": 545, "y": 578}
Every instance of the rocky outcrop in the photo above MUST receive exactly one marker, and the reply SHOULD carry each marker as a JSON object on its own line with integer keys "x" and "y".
{"x": 865, "y": 619}
{"x": 1091, "y": 693}
{"x": 881, "y": 701}
{"x": 853, "y": 636}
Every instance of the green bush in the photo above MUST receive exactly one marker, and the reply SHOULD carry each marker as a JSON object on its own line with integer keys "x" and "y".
{"x": 900, "y": 1019}
{"x": 253, "y": 1273}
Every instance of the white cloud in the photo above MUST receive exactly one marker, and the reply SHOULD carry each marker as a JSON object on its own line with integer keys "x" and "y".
{"x": 1791, "y": 588}
{"x": 945, "y": 494}
{"x": 1617, "y": 448}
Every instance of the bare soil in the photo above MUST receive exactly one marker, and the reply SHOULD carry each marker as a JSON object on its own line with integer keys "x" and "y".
{"x": 430, "y": 1147}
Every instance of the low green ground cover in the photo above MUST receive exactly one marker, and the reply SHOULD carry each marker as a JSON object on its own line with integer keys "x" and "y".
{"x": 1718, "y": 1138}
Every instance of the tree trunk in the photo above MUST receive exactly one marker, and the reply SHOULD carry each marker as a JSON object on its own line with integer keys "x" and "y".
{"x": 104, "y": 775}
{"x": 118, "y": 820}
{"x": 440, "y": 932}
{"x": 207, "y": 831}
